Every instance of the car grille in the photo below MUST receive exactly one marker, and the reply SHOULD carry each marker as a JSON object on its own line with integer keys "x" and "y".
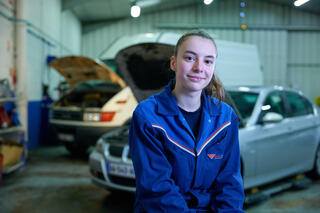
{"x": 122, "y": 181}
{"x": 117, "y": 150}
{"x": 67, "y": 115}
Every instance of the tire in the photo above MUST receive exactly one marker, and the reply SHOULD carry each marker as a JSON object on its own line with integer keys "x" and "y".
{"x": 315, "y": 172}
{"x": 76, "y": 149}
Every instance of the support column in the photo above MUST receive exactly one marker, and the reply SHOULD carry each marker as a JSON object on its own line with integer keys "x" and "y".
{"x": 20, "y": 64}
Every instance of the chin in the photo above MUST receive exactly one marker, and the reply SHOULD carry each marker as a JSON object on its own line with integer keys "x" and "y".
{"x": 196, "y": 88}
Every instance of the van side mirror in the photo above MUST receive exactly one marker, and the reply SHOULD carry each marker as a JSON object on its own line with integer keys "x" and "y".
{"x": 272, "y": 117}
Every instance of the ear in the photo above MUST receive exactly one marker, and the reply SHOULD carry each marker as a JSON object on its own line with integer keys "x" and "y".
{"x": 173, "y": 63}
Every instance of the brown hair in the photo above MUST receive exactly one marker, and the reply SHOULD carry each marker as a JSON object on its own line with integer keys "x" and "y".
{"x": 214, "y": 87}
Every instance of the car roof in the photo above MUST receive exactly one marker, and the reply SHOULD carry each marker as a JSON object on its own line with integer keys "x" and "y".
{"x": 259, "y": 89}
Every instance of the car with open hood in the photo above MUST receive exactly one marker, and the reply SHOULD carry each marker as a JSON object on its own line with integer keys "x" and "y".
{"x": 279, "y": 128}
{"x": 98, "y": 100}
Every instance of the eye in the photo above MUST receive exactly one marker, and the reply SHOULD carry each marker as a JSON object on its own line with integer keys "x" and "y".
{"x": 189, "y": 58}
{"x": 208, "y": 62}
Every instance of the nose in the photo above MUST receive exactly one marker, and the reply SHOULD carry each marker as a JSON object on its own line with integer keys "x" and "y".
{"x": 197, "y": 66}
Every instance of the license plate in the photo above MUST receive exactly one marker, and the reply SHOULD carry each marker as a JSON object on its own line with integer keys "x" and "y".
{"x": 120, "y": 169}
{"x": 66, "y": 137}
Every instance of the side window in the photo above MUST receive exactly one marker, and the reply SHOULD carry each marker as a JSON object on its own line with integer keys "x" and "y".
{"x": 274, "y": 103}
{"x": 298, "y": 104}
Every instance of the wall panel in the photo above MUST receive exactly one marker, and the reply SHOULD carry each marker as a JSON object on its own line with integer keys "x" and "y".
{"x": 70, "y": 33}
{"x": 263, "y": 13}
{"x": 226, "y": 12}
{"x": 6, "y": 47}
{"x": 304, "y": 48}
{"x": 302, "y": 18}
{"x": 304, "y": 62}
{"x": 306, "y": 79}
{"x": 7, "y": 44}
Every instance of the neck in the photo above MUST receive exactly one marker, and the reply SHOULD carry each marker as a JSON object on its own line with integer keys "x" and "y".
{"x": 189, "y": 102}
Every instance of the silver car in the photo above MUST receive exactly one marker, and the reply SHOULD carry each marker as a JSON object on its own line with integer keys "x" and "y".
{"x": 279, "y": 136}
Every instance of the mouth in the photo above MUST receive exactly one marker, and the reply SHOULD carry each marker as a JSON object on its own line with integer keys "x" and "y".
{"x": 195, "y": 78}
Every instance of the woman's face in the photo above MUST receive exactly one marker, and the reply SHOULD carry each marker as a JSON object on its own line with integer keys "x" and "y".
{"x": 194, "y": 64}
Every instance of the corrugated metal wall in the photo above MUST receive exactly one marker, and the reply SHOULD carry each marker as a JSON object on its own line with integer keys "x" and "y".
{"x": 278, "y": 31}
{"x": 304, "y": 62}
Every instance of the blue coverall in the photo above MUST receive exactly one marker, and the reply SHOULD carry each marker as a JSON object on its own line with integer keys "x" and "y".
{"x": 176, "y": 172}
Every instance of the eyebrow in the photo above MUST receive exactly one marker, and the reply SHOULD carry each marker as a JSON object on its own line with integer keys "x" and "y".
{"x": 193, "y": 53}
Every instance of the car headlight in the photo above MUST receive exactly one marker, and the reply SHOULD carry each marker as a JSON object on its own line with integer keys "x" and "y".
{"x": 91, "y": 116}
{"x": 99, "y": 116}
{"x": 100, "y": 146}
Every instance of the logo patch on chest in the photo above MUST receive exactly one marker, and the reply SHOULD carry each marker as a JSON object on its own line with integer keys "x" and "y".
{"x": 215, "y": 156}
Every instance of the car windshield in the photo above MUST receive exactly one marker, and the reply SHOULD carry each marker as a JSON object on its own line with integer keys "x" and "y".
{"x": 244, "y": 102}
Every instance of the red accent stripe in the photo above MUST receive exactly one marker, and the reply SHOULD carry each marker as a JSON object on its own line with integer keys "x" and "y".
{"x": 172, "y": 139}
{"x": 212, "y": 136}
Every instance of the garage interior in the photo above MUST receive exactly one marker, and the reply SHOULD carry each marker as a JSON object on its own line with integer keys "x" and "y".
{"x": 39, "y": 173}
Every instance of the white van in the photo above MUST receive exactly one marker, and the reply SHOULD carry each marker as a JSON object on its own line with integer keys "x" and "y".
{"x": 237, "y": 63}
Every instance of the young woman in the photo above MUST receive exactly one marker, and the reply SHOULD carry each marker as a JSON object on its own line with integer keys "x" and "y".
{"x": 184, "y": 142}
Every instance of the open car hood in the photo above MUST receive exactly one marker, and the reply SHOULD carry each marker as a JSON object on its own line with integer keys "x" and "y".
{"x": 76, "y": 69}
{"x": 145, "y": 67}
{"x": 144, "y": 61}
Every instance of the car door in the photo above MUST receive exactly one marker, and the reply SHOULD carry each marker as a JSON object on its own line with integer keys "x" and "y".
{"x": 273, "y": 140}
{"x": 303, "y": 127}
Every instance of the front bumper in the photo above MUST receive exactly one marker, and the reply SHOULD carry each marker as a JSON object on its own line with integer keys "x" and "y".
{"x": 100, "y": 176}
{"x": 84, "y": 133}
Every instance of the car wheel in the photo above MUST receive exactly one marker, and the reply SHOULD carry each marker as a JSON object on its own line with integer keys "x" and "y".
{"x": 315, "y": 173}
{"x": 76, "y": 149}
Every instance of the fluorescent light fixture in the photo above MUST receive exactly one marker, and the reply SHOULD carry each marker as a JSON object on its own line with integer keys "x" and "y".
{"x": 298, "y": 3}
{"x": 135, "y": 11}
{"x": 207, "y": 2}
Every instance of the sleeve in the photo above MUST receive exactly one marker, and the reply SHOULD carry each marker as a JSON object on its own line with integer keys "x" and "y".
{"x": 155, "y": 189}
{"x": 228, "y": 195}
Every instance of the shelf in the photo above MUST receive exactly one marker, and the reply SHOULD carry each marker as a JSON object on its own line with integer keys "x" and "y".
{"x": 11, "y": 129}
{"x": 13, "y": 135}
{"x": 9, "y": 169}
{"x": 9, "y": 99}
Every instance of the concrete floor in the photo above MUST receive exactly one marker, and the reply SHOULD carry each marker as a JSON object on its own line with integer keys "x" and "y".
{"x": 53, "y": 181}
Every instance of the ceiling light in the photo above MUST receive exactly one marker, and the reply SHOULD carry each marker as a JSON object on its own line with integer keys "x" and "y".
{"x": 135, "y": 11}
{"x": 207, "y": 2}
{"x": 298, "y": 3}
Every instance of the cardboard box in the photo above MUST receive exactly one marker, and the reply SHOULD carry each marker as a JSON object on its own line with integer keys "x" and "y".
{"x": 11, "y": 153}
